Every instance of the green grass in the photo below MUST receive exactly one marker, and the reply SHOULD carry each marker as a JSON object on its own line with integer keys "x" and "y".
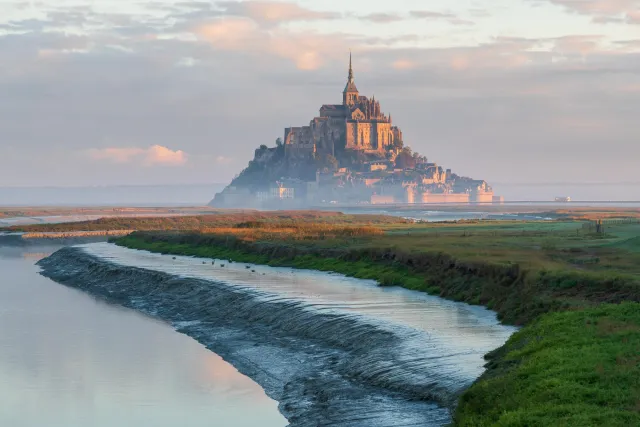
{"x": 532, "y": 245}
{"x": 576, "y": 368}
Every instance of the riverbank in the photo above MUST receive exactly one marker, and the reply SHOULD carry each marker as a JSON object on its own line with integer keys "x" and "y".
{"x": 551, "y": 277}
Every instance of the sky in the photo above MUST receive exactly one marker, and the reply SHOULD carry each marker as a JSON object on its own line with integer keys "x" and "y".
{"x": 113, "y": 92}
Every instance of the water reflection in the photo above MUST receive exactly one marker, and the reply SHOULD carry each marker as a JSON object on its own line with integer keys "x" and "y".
{"x": 69, "y": 360}
{"x": 35, "y": 256}
{"x": 468, "y": 332}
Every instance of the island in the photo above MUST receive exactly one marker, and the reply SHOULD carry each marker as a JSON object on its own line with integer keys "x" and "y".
{"x": 351, "y": 153}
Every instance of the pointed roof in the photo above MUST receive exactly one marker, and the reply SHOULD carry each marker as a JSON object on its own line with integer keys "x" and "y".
{"x": 351, "y": 85}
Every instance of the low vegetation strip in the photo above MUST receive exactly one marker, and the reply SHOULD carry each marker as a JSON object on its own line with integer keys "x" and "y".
{"x": 575, "y": 361}
{"x": 72, "y": 234}
{"x": 204, "y": 222}
{"x": 576, "y": 368}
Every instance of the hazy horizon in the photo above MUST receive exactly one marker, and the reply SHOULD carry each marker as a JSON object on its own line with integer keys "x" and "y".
{"x": 109, "y": 93}
{"x": 201, "y": 194}
{"x": 118, "y": 195}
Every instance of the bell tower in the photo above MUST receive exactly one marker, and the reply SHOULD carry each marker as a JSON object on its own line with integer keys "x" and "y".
{"x": 350, "y": 94}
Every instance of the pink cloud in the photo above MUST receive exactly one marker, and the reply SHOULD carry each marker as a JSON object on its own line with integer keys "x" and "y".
{"x": 155, "y": 155}
{"x": 159, "y": 155}
{"x": 273, "y": 12}
{"x": 633, "y": 16}
{"x": 308, "y": 51}
{"x": 230, "y": 33}
{"x": 580, "y": 44}
{"x": 403, "y": 64}
{"x": 605, "y": 10}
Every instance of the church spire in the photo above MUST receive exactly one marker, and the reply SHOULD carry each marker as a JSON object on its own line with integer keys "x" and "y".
{"x": 350, "y": 94}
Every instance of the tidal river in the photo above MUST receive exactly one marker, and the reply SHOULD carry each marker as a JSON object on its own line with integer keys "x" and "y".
{"x": 69, "y": 360}
{"x": 331, "y": 350}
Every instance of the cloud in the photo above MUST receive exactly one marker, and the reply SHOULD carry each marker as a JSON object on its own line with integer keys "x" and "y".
{"x": 430, "y": 14}
{"x": 604, "y": 11}
{"x": 403, "y": 64}
{"x": 382, "y": 18}
{"x": 272, "y": 12}
{"x": 514, "y": 106}
{"x": 449, "y": 17}
{"x": 628, "y": 46}
{"x": 633, "y": 16}
{"x": 159, "y": 155}
{"x": 116, "y": 155}
{"x": 230, "y": 33}
{"x": 155, "y": 155}
{"x": 386, "y": 18}
{"x": 308, "y": 50}
{"x": 578, "y": 44}
{"x": 460, "y": 21}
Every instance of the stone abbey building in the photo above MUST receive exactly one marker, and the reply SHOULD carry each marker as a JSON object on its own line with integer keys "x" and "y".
{"x": 371, "y": 165}
{"x": 356, "y": 124}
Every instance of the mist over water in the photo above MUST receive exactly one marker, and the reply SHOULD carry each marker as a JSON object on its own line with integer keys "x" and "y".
{"x": 201, "y": 194}
{"x": 592, "y": 192}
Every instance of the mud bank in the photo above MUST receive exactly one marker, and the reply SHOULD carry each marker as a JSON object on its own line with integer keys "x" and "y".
{"x": 324, "y": 366}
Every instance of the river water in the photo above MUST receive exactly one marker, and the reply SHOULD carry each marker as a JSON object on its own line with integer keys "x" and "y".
{"x": 332, "y": 350}
{"x": 465, "y": 331}
{"x": 69, "y": 360}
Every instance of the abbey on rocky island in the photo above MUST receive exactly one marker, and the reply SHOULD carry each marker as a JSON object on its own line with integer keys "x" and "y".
{"x": 350, "y": 154}
{"x": 358, "y": 124}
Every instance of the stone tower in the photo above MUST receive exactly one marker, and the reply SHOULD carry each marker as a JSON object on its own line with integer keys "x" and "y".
{"x": 350, "y": 94}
